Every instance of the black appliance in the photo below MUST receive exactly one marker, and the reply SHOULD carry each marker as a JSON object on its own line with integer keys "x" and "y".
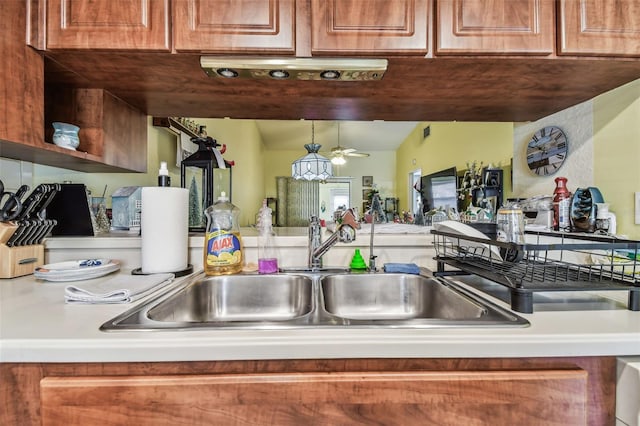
{"x": 439, "y": 190}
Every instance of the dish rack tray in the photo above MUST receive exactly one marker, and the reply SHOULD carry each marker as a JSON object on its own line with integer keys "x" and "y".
{"x": 553, "y": 262}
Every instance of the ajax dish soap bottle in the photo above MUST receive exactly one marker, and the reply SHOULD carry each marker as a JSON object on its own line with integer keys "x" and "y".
{"x": 223, "y": 245}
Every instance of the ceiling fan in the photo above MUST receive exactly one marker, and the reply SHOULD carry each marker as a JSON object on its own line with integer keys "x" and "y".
{"x": 338, "y": 153}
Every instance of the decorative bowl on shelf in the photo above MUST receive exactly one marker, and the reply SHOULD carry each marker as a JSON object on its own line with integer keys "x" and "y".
{"x": 65, "y": 135}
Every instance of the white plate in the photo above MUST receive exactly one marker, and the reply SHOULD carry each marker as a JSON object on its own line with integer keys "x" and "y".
{"x": 615, "y": 263}
{"x": 76, "y": 270}
{"x": 455, "y": 227}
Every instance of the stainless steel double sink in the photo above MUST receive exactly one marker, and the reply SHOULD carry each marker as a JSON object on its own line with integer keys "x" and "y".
{"x": 314, "y": 299}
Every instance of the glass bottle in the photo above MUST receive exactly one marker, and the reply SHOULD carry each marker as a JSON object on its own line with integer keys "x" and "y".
{"x": 561, "y": 205}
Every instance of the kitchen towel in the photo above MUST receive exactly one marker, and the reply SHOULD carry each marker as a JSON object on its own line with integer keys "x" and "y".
{"x": 164, "y": 227}
{"x": 117, "y": 289}
{"x": 185, "y": 148}
{"x": 402, "y": 268}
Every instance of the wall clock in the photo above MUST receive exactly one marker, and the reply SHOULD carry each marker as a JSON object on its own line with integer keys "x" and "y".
{"x": 547, "y": 151}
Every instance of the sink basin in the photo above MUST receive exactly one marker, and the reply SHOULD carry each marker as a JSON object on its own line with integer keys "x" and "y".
{"x": 395, "y": 297}
{"x": 315, "y": 299}
{"x": 238, "y": 298}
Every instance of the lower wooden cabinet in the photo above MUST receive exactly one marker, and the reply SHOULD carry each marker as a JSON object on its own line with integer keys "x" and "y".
{"x": 549, "y": 391}
{"x": 385, "y": 397}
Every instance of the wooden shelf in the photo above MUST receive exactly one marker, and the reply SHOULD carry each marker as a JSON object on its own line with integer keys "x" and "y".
{"x": 55, "y": 156}
{"x": 173, "y": 125}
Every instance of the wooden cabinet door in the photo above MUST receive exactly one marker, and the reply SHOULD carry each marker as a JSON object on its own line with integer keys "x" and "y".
{"x": 549, "y": 397}
{"x": 108, "y": 24}
{"x": 237, "y": 26}
{"x": 370, "y": 27}
{"x": 491, "y": 27}
{"x": 599, "y": 27}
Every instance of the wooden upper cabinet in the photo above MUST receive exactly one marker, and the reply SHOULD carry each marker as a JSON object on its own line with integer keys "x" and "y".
{"x": 495, "y": 27}
{"x": 108, "y": 24}
{"x": 599, "y": 27}
{"x": 237, "y": 26}
{"x": 370, "y": 27}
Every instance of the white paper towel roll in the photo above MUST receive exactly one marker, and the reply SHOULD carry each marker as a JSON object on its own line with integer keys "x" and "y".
{"x": 164, "y": 226}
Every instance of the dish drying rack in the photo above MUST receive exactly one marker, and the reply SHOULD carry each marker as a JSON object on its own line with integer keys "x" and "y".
{"x": 555, "y": 261}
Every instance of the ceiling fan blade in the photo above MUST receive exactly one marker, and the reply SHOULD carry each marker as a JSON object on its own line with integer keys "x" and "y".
{"x": 356, "y": 154}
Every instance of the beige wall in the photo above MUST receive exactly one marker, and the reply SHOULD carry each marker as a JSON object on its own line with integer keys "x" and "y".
{"x": 452, "y": 144}
{"x": 245, "y": 147}
{"x": 616, "y": 135}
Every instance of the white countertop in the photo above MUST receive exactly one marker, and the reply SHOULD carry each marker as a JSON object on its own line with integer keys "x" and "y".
{"x": 37, "y": 326}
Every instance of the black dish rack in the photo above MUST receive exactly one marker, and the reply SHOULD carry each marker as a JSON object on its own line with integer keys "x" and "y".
{"x": 556, "y": 261}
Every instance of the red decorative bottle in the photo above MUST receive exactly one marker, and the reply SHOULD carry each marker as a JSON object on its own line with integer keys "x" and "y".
{"x": 561, "y": 205}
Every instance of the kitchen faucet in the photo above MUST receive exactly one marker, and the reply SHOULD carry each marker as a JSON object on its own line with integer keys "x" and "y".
{"x": 345, "y": 232}
{"x": 375, "y": 207}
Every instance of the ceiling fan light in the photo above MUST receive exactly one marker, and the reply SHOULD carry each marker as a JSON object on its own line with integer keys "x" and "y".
{"x": 338, "y": 160}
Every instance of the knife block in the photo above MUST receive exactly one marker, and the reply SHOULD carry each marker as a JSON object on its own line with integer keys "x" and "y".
{"x": 19, "y": 261}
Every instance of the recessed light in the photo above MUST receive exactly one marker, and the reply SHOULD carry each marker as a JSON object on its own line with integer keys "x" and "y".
{"x": 227, "y": 72}
{"x": 279, "y": 74}
{"x": 330, "y": 75}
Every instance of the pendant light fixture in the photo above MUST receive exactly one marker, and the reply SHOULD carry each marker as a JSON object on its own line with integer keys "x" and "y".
{"x": 312, "y": 166}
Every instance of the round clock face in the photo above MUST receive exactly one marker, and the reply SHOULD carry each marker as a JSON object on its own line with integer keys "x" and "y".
{"x": 547, "y": 151}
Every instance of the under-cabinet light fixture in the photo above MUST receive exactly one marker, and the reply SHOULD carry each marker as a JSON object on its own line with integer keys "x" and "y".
{"x": 340, "y": 69}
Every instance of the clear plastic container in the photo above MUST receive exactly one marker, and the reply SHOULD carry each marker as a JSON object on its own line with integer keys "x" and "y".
{"x": 223, "y": 245}
{"x": 510, "y": 224}
{"x": 267, "y": 259}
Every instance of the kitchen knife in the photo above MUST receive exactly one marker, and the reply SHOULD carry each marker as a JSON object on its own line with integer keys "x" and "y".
{"x": 22, "y": 228}
{"x": 30, "y": 203}
{"x": 49, "y": 192}
{"x": 23, "y": 222}
{"x": 30, "y": 229}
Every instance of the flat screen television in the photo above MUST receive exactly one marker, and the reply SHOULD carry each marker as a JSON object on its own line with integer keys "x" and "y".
{"x": 439, "y": 189}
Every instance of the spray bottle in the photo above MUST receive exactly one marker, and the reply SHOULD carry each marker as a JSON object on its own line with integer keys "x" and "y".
{"x": 163, "y": 175}
{"x": 223, "y": 245}
{"x": 267, "y": 259}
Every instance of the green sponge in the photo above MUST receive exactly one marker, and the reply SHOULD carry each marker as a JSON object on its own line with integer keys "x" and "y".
{"x": 357, "y": 262}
